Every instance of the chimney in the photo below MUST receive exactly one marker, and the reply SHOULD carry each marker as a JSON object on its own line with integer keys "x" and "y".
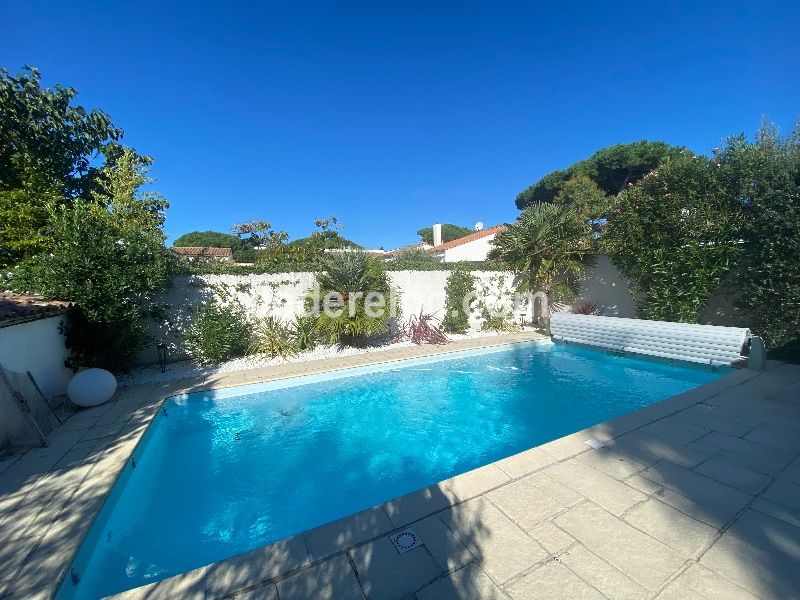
{"x": 437, "y": 234}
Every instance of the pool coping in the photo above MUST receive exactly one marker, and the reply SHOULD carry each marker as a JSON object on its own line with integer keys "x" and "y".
{"x": 303, "y": 551}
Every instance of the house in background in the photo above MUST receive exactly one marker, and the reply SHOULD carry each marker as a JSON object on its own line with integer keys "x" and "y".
{"x": 472, "y": 247}
{"x": 207, "y": 253}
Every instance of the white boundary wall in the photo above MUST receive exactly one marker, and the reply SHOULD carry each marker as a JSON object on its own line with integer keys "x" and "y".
{"x": 282, "y": 295}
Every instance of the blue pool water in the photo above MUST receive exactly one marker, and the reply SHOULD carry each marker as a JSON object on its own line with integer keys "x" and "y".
{"x": 220, "y": 473}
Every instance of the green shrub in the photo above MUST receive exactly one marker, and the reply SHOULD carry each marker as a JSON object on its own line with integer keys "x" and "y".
{"x": 788, "y": 352}
{"x": 272, "y": 336}
{"x": 107, "y": 255}
{"x": 412, "y": 257}
{"x": 676, "y": 234}
{"x": 460, "y": 285}
{"x": 352, "y": 276}
{"x": 500, "y": 322}
{"x": 293, "y": 265}
{"x": 303, "y": 332}
{"x": 769, "y": 276}
{"x": 218, "y": 332}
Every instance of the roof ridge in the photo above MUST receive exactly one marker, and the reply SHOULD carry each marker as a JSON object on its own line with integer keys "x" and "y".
{"x": 470, "y": 237}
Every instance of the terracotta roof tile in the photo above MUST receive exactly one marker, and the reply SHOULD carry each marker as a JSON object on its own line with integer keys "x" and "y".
{"x": 468, "y": 238}
{"x": 202, "y": 251}
{"x": 18, "y": 308}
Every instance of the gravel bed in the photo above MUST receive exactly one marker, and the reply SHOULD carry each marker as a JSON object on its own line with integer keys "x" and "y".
{"x": 186, "y": 368}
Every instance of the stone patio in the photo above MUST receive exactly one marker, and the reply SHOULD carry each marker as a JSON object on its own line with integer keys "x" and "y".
{"x": 697, "y": 496}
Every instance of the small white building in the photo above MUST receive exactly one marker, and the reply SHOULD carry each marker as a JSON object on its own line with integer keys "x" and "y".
{"x": 472, "y": 247}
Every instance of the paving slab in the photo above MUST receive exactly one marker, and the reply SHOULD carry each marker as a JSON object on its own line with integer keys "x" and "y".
{"x": 713, "y": 418}
{"x": 387, "y": 575}
{"x": 609, "y": 580}
{"x": 776, "y": 437}
{"x": 525, "y": 463}
{"x": 737, "y": 476}
{"x": 718, "y": 498}
{"x": 702, "y": 582}
{"x": 501, "y": 548}
{"x": 416, "y": 505}
{"x": 772, "y": 575}
{"x": 669, "y": 525}
{"x": 675, "y": 430}
{"x": 612, "y": 463}
{"x": 339, "y": 535}
{"x": 645, "y": 560}
{"x": 767, "y": 532}
{"x": 467, "y": 583}
{"x": 775, "y": 459}
{"x": 264, "y": 592}
{"x": 476, "y": 482}
{"x": 784, "y": 493}
{"x": 526, "y": 501}
{"x": 552, "y": 538}
{"x": 649, "y": 449}
{"x": 552, "y": 581}
{"x": 331, "y": 580}
{"x": 787, "y": 515}
{"x": 602, "y": 489}
{"x": 444, "y": 546}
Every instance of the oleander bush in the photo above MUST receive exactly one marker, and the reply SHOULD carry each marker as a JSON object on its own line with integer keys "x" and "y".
{"x": 218, "y": 331}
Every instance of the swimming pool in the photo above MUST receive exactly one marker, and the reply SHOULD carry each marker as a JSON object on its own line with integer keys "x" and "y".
{"x": 220, "y": 473}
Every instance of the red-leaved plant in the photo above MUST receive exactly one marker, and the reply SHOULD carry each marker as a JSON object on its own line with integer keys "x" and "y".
{"x": 421, "y": 329}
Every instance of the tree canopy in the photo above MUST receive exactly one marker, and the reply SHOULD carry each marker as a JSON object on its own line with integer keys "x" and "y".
{"x": 450, "y": 232}
{"x": 51, "y": 152}
{"x": 214, "y": 239}
{"x": 106, "y": 254}
{"x": 612, "y": 170}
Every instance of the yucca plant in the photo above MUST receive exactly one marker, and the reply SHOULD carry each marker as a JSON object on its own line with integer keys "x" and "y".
{"x": 353, "y": 276}
{"x": 271, "y": 336}
{"x": 303, "y": 332}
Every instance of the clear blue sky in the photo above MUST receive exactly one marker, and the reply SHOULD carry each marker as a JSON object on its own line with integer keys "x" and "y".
{"x": 394, "y": 115}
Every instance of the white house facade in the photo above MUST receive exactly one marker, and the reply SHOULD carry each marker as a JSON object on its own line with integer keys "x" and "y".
{"x": 472, "y": 247}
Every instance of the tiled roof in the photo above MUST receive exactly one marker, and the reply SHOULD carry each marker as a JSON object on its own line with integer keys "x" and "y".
{"x": 202, "y": 251}
{"x": 468, "y": 238}
{"x": 17, "y": 308}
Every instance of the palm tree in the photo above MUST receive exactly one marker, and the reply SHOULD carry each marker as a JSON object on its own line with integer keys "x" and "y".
{"x": 549, "y": 246}
{"x": 353, "y": 275}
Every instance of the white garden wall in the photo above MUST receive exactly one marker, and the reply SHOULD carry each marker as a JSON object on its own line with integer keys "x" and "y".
{"x": 282, "y": 295}
{"x": 605, "y": 286}
{"x": 38, "y": 347}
